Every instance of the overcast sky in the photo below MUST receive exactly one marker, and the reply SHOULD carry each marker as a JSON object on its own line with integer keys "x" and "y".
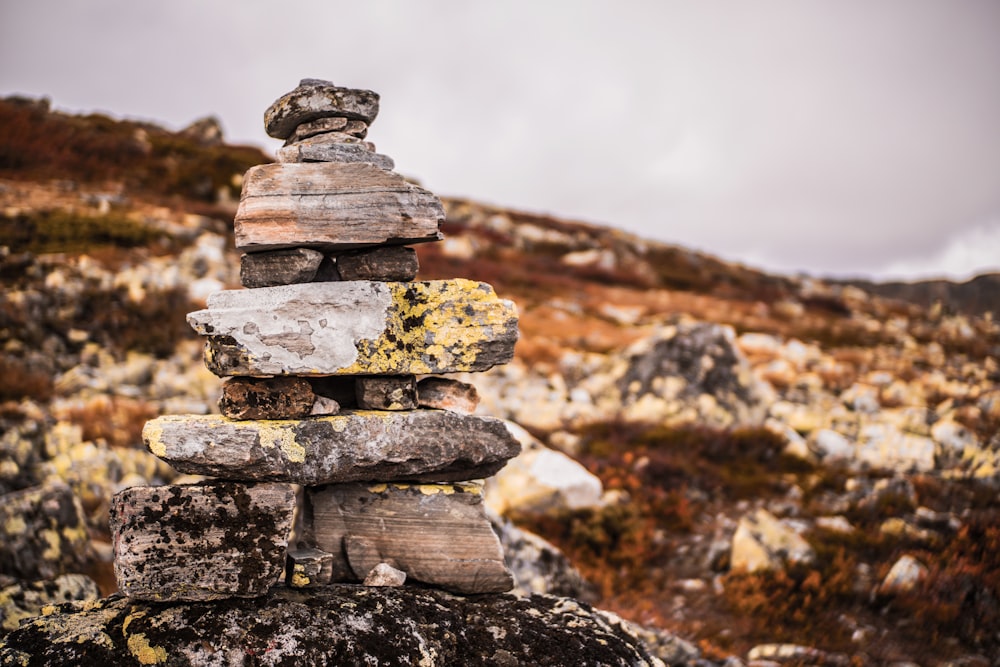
{"x": 833, "y": 137}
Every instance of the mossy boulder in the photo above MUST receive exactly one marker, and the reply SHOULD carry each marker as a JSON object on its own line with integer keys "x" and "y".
{"x": 335, "y": 625}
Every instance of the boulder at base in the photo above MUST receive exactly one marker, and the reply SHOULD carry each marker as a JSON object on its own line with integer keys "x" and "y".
{"x": 335, "y": 625}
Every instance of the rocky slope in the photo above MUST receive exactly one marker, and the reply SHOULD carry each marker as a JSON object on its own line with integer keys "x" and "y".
{"x": 775, "y": 468}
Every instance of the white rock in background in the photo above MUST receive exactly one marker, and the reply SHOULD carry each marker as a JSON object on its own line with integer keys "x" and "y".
{"x": 884, "y": 447}
{"x": 541, "y": 479}
{"x": 952, "y": 436}
{"x": 904, "y": 576}
{"x": 832, "y": 446}
{"x": 762, "y": 542}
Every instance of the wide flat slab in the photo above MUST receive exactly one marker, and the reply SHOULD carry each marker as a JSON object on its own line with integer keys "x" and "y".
{"x": 332, "y": 206}
{"x": 418, "y": 445}
{"x": 437, "y": 534}
{"x": 357, "y": 328}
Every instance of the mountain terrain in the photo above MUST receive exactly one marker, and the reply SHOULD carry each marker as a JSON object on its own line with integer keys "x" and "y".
{"x": 765, "y": 468}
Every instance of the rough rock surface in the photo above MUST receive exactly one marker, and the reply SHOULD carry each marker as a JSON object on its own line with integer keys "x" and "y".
{"x": 279, "y": 267}
{"x": 383, "y": 263}
{"x": 386, "y": 392}
{"x": 266, "y": 398}
{"x": 357, "y": 328}
{"x": 538, "y": 566}
{"x": 447, "y": 394}
{"x": 201, "y": 542}
{"x": 437, "y": 534}
{"x": 332, "y": 206}
{"x": 762, "y": 542}
{"x": 43, "y": 533}
{"x": 417, "y": 445}
{"x": 335, "y": 625}
{"x": 315, "y": 98}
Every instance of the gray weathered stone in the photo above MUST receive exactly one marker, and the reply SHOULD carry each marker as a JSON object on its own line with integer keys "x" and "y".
{"x": 43, "y": 533}
{"x": 279, "y": 267}
{"x": 538, "y": 566}
{"x": 418, "y": 445}
{"x": 387, "y": 392}
{"x": 266, "y": 398}
{"x": 332, "y": 206}
{"x": 314, "y": 99}
{"x": 200, "y": 542}
{"x": 384, "y": 263}
{"x": 324, "y": 406}
{"x": 357, "y": 328}
{"x": 447, "y": 394}
{"x": 333, "y": 625}
{"x": 308, "y": 568}
{"x": 437, "y": 534}
{"x": 334, "y": 151}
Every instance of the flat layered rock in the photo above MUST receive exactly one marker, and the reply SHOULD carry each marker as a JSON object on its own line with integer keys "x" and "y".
{"x": 333, "y": 625}
{"x": 419, "y": 445}
{"x": 313, "y": 99}
{"x": 332, "y": 206}
{"x": 437, "y": 534}
{"x": 334, "y": 151}
{"x": 357, "y": 328}
{"x": 200, "y": 542}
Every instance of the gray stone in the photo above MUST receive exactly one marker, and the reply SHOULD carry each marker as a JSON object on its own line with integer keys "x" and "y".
{"x": 447, "y": 394}
{"x": 324, "y": 407}
{"x": 437, "y": 534}
{"x": 332, "y": 206}
{"x": 266, "y": 398}
{"x": 333, "y": 625}
{"x": 334, "y": 151}
{"x": 903, "y": 576}
{"x": 537, "y": 565}
{"x": 387, "y": 392}
{"x": 385, "y": 263}
{"x": 419, "y": 445}
{"x": 43, "y": 533}
{"x": 200, "y": 542}
{"x": 314, "y": 99}
{"x": 357, "y": 328}
{"x": 279, "y": 267}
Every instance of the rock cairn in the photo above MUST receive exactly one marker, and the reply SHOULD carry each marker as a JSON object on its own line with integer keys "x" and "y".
{"x": 330, "y": 462}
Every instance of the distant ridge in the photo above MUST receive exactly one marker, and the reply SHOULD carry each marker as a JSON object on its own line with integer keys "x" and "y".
{"x": 976, "y": 296}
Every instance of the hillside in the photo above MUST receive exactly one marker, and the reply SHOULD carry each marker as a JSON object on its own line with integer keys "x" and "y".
{"x": 717, "y": 405}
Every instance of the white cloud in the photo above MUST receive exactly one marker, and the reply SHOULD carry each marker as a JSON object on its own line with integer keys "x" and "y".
{"x": 972, "y": 252}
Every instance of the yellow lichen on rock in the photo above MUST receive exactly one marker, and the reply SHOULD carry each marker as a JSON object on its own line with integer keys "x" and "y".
{"x": 273, "y": 433}
{"x": 152, "y": 435}
{"x": 146, "y": 654}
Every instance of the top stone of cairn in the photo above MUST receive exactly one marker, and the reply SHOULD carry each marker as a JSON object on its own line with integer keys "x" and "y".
{"x": 314, "y": 99}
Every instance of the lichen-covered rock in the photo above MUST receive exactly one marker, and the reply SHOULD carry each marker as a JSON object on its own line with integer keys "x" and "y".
{"x": 332, "y": 206}
{"x": 386, "y": 392}
{"x": 43, "y": 533}
{"x": 315, "y": 98}
{"x": 357, "y": 328}
{"x": 25, "y": 599}
{"x": 334, "y": 625}
{"x": 201, "y": 542}
{"x": 362, "y": 445}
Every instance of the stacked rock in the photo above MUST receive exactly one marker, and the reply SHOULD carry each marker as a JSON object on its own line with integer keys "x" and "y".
{"x": 331, "y": 462}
